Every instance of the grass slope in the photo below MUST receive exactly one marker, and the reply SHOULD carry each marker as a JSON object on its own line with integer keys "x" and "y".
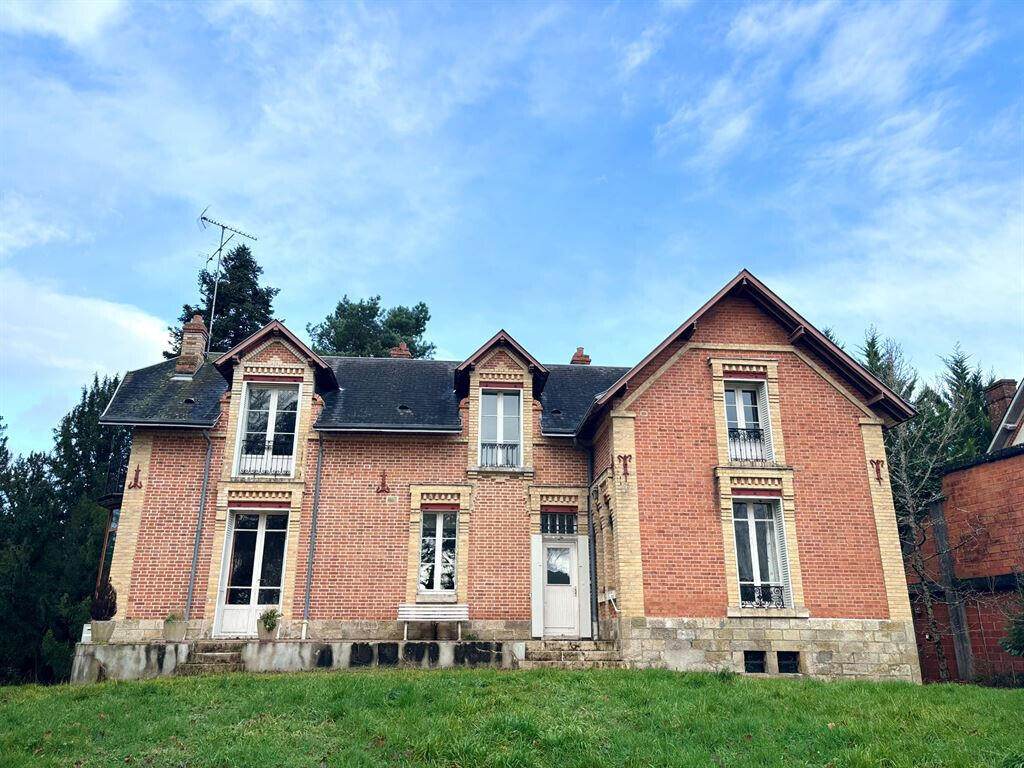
{"x": 490, "y": 718}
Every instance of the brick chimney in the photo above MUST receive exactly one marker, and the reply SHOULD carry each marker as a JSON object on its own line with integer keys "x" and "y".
{"x": 193, "y": 346}
{"x": 402, "y": 350}
{"x": 579, "y": 358}
{"x": 997, "y": 398}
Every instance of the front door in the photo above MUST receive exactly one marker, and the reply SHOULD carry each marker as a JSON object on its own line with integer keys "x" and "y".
{"x": 561, "y": 605}
{"x": 253, "y": 571}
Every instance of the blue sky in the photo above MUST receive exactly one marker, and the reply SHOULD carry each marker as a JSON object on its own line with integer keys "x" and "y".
{"x": 580, "y": 174}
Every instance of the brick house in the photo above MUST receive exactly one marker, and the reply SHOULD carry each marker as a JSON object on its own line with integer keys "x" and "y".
{"x": 723, "y": 503}
{"x": 976, "y": 538}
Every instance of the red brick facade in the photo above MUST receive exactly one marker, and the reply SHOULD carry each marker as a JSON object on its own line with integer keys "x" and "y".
{"x": 669, "y": 487}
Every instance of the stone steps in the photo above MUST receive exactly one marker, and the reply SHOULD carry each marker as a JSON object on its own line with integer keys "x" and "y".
{"x": 213, "y": 657}
{"x": 569, "y": 645}
{"x": 571, "y": 654}
{"x": 576, "y": 664}
{"x": 191, "y": 668}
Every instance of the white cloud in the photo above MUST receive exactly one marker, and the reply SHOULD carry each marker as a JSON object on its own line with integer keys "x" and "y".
{"x": 75, "y": 21}
{"x": 641, "y": 50}
{"x": 771, "y": 24}
{"x": 873, "y": 54}
{"x": 713, "y": 128}
{"x": 23, "y": 224}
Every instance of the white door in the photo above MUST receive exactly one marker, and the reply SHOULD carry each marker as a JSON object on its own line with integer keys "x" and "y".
{"x": 561, "y": 604}
{"x": 253, "y": 571}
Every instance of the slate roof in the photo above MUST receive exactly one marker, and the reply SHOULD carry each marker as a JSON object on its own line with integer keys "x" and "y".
{"x": 153, "y": 396}
{"x": 569, "y": 392}
{"x": 372, "y": 391}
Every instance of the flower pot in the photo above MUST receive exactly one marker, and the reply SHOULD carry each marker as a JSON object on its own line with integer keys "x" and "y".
{"x": 101, "y": 631}
{"x": 174, "y": 631}
{"x": 264, "y": 633}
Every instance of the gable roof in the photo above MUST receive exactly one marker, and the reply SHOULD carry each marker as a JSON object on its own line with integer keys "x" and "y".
{"x": 879, "y": 397}
{"x": 157, "y": 396}
{"x": 1011, "y": 423}
{"x": 275, "y": 328}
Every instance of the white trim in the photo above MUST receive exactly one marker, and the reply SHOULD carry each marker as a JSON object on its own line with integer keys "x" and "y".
{"x": 243, "y": 416}
{"x": 778, "y": 520}
{"x": 500, "y": 424}
{"x": 1004, "y": 423}
{"x": 113, "y": 397}
{"x": 438, "y": 592}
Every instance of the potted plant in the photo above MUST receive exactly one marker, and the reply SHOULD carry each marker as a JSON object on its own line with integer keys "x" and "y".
{"x": 174, "y": 628}
{"x": 268, "y": 623}
{"x": 104, "y": 606}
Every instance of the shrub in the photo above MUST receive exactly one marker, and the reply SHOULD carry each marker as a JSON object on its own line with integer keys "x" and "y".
{"x": 104, "y": 602}
{"x": 269, "y": 619}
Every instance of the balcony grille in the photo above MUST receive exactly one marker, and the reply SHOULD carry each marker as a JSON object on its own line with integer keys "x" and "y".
{"x": 762, "y": 596}
{"x": 267, "y": 463}
{"x": 747, "y": 445}
{"x": 499, "y": 454}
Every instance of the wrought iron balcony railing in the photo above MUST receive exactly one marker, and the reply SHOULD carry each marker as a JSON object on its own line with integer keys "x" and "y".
{"x": 499, "y": 455}
{"x": 266, "y": 463}
{"x": 747, "y": 445}
{"x": 762, "y": 596}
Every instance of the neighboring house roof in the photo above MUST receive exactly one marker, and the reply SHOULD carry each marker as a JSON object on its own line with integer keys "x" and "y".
{"x": 879, "y": 397}
{"x": 1010, "y": 426}
{"x": 157, "y": 396}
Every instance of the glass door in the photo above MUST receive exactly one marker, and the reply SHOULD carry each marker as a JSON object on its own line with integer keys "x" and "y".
{"x": 253, "y": 571}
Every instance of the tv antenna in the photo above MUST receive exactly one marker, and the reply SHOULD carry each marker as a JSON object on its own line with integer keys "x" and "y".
{"x": 219, "y": 253}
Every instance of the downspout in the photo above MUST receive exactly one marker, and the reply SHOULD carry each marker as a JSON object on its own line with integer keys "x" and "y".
{"x": 312, "y": 532}
{"x": 199, "y": 526}
{"x": 592, "y": 542}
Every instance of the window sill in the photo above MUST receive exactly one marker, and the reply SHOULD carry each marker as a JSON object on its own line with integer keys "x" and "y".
{"x": 500, "y": 471}
{"x": 426, "y": 598}
{"x": 736, "y": 612}
{"x": 247, "y": 478}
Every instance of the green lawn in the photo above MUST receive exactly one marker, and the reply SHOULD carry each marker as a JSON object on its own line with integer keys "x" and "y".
{"x": 491, "y": 718}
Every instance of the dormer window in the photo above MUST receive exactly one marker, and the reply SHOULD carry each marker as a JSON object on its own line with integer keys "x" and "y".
{"x": 268, "y": 430}
{"x": 746, "y": 414}
{"x": 500, "y": 429}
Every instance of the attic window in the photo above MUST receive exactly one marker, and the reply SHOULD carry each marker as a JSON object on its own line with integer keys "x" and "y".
{"x": 405, "y": 410}
{"x": 190, "y": 401}
{"x": 556, "y": 412}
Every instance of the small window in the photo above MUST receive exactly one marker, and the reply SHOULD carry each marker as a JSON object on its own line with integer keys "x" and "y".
{"x": 753, "y": 662}
{"x": 268, "y": 430}
{"x": 558, "y": 522}
{"x": 744, "y": 405}
{"x": 437, "y": 551}
{"x": 760, "y": 558}
{"x": 789, "y": 662}
{"x": 499, "y": 429}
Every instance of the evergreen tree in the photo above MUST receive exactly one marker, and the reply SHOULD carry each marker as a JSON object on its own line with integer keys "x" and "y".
{"x": 243, "y": 305}
{"x": 364, "y": 329}
{"x": 51, "y": 532}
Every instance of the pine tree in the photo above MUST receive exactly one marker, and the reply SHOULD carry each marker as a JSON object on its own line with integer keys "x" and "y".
{"x": 243, "y": 305}
{"x": 364, "y": 329}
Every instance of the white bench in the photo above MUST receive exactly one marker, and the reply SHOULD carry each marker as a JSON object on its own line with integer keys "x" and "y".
{"x": 431, "y": 612}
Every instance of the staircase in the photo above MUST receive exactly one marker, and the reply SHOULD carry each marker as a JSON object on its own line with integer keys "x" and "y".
{"x": 571, "y": 654}
{"x": 212, "y": 657}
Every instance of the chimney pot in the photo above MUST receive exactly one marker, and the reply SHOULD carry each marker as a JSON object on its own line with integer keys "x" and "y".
{"x": 193, "y": 346}
{"x": 402, "y": 350}
{"x": 579, "y": 358}
{"x": 998, "y": 397}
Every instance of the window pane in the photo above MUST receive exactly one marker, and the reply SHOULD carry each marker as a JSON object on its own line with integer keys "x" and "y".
{"x": 256, "y": 421}
{"x": 287, "y": 400}
{"x": 510, "y": 429}
{"x": 730, "y": 408}
{"x": 490, "y": 403}
{"x": 750, "y": 409}
{"x": 284, "y": 444}
{"x": 273, "y": 559}
{"x": 239, "y": 596}
{"x": 243, "y": 556}
{"x": 269, "y": 597}
{"x": 428, "y": 550}
{"x": 447, "y": 579}
{"x": 250, "y": 522}
{"x": 427, "y": 576}
{"x": 746, "y": 566}
{"x": 449, "y": 525}
{"x": 259, "y": 398}
{"x": 255, "y": 444}
{"x": 489, "y": 429}
{"x": 277, "y": 522}
{"x": 284, "y": 422}
{"x": 558, "y": 565}
{"x": 765, "y": 530}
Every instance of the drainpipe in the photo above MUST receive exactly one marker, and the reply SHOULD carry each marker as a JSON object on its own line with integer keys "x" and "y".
{"x": 199, "y": 526}
{"x": 312, "y": 531}
{"x": 592, "y": 542}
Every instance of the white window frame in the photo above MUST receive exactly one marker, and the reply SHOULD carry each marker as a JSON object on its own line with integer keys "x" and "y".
{"x": 438, "y": 531}
{"x": 243, "y": 418}
{"x": 781, "y": 547}
{"x": 501, "y": 426}
{"x": 760, "y": 389}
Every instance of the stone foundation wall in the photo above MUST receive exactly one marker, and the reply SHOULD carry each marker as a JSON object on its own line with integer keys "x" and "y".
{"x": 829, "y": 648}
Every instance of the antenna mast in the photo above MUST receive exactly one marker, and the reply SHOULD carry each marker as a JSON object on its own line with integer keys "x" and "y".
{"x": 203, "y": 221}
